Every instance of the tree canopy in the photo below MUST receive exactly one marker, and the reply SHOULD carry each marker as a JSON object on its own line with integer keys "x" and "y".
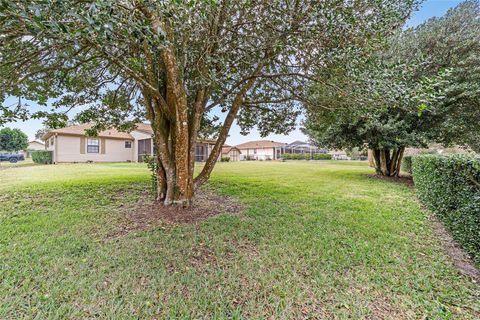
{"x": 175, "y": 62}
{"x": 403, "y": 95}
{"x": 13, "y": 140}
{"x": 452, "y": 41}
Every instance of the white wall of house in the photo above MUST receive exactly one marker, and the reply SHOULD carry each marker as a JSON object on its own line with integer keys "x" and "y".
{"x": 258, "y": 153}
{"x": 67, "y": 149}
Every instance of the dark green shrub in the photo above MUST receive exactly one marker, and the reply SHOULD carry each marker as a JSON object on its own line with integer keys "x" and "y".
{"x": 321, "y": 156}
{"x": 407, "y": 164}
{"x": 450, "y": 187}
{"x": 224, "y": 159}
{"x": 42, "y": 156}
{"x": 361, "y": 158}
{"x": 306, "y": 156}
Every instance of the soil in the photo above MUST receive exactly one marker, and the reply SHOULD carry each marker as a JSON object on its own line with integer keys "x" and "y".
{"x": 459, "y": 258}
{"x": 406, "y": 180}
{"x": 147, "y": 213}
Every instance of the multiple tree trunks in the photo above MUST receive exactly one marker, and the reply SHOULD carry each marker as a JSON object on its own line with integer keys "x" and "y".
{"x": 388, "y": 162}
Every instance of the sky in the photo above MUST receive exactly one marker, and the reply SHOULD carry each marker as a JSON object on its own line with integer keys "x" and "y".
{"x": 429, "y": 9}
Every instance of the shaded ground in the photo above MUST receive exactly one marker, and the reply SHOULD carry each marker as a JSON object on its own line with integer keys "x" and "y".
{"x": 403, "y": 179}
{"x": 459, "y": 257}
{"x": 147, "y": 212}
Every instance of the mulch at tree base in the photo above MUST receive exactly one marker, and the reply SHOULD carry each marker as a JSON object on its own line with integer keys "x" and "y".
{"x": 147, "y": 213}
{"x": 406, "y": 180}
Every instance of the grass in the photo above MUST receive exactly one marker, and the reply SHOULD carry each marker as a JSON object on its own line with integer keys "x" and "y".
{"x": 24, "y": 163}
{"x": 317, "y": 239}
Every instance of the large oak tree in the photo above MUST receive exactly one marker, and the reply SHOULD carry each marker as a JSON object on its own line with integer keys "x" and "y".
{"x": 177, "y": 61}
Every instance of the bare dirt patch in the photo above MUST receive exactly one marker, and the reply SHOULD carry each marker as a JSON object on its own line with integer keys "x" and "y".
{"x": 147, "y": 213}
{"x": 459, "y": 258}
{"x": 405, "y": 180}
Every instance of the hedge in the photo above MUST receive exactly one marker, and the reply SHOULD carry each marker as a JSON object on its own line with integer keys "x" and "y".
{"x": 42, "y": 156}
{"x": 407, "y": 164}
{"x": 450, "y": 187}
{"x": 306, "y": 156}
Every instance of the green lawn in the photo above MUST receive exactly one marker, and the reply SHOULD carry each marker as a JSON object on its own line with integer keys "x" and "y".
{"x": 315, "y": 240}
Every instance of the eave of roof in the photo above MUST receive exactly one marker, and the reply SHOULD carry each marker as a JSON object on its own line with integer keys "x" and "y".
{"x": 79, "y": 130}
{"x": 260, "y": 144}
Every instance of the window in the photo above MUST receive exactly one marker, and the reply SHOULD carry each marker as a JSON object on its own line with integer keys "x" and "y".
{"x": 92, "y": 146}
{"x": 128, "y": 144}
{"x": 51, "y": 141}
{"x": 254, "y": 151}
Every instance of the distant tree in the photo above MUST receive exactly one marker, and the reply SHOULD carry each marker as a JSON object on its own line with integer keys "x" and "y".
{"x": 423, "y": 87}
{"x": 383, "y": 107}
{"x": 41, "y": 132}
{"x": 174, "y": 62}
{"x": 13, "y": 140}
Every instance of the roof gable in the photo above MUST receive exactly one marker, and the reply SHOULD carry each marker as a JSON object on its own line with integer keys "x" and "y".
{"x": 79, "y": 130}
{"x": 260, "y": 144}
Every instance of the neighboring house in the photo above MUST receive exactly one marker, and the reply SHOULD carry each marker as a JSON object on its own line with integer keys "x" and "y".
{"x": 70, "y": 144}
{"x": 33, "y": 146}
{"x": 338, "y": 154}
{"x": 302, "y": 147}
{"x": 261, "y": 150}
{"x": 231, "y": 152}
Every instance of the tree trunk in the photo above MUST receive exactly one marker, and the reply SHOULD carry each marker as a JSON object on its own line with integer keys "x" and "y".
{"x": 388, "y": 163}
{"x": 175, "y": 123}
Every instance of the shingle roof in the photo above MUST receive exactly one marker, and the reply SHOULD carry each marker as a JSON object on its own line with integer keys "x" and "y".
{"x": 79, "y": 130}
{"x": 260, "y": 144}
{"x": 226, "y": 149}
{"x": 144, "y": 127}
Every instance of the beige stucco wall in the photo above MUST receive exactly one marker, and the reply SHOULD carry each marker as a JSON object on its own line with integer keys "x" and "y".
{"x": 33, "y": 145}
{"x": 67, "y": 149}
{"x": 234, "y": 155}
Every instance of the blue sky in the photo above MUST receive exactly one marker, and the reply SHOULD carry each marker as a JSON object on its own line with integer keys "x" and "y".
{"x": 429, "y": 9}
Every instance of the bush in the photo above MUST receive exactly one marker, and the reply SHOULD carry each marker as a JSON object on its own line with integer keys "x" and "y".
{"x": 407, "y": 164}
{"x": 322, "y": 156}
{"x": 450, "y": 187}
{"x": 42, "y": 156}
{"x": 224, "y": 159}
{"x": 361, "y": 158}
{"x": 306, "y": 156}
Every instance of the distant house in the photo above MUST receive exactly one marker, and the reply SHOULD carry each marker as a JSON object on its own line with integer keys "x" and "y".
{"x": 302, "y": 147}
{"x": 33, "y": 145}
{"x": 70, "y": 144}
{"x": 233, "y": 153}
{"x": 261, "y": 150}
{"x": 338, "y": 154}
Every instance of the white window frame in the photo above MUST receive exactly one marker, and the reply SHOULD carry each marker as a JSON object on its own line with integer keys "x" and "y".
{"x": 96, "y": 143}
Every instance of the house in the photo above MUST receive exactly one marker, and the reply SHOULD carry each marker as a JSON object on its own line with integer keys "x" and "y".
{"x": 338, "y": 154}
{"x": 302, "y": 147}
{"x": 261, "y": 150}
{"x": 233, "y": 153}
{"x": 71, "y": 144}
{"x": 33, "y": 146}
